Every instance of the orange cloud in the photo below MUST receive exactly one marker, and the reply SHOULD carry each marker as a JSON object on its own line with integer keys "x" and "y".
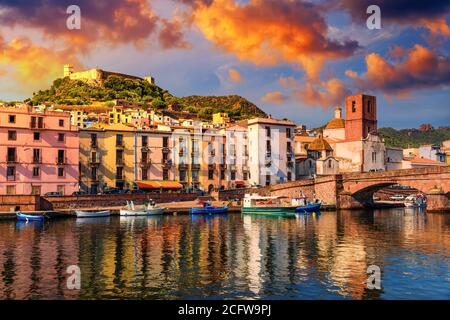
{"x": 234, "y": 75}
{"x": 274, "y": 97}
{"x": 171, "y": 35}
{"x": 269, "y": 32}
{"x": 33, "y": 67}
{"x": 351, "y": 74}
{"x": 421, "y": 68}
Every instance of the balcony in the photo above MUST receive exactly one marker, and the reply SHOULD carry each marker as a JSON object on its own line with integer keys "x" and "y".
{"x": 167, "y": 164}
{"x": 37, "y": 160}
{"x": 145, "y": 163}
{"x": 233, "y": 167}
{"x": 145, "y": 148}
{"x": 60, "y": 161}
{"x": 94, "y": 161}
{"x": 38, "y": 126}
{"x": 165, "y": 150}
{"x": 120, "y": 145}
{"x": 196, "y": 166}
{"x": 181, "y": 153}
{"x": 223, "y": 166}
{"x": 245, "y": 168}
{"x": 11, "y": 159}
{"x": 182, "y": 166}
{"x": 268, "y": 163}
{"x": 212, "y": 153}
{"x": 290, "y": 164}
{"x": 94, "y": 145}
{"x": 119, "y": 177}
{"x": 195, "y": 153}
{"x": 11, "y": 178}
{"x": 269, "y": 154}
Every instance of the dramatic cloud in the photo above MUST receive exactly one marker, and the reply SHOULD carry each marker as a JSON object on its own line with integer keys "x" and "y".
{"x": 33, "y": 65}
{"x": 171, "y": 35}
{"x": 270, "y": 32}
{"x": 406, "y": 12}
{"x": 421, "y": 68}
{"x": 274, "y": 97}
{"x": 234, "y": 75}
{"x": 109, "y": 21}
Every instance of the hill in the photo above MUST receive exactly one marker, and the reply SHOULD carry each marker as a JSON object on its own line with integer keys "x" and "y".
{"x": 413, "y": 138}
{"x": 65, "y": 91}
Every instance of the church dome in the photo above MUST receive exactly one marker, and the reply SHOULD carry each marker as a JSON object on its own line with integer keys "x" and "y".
{"x": 320, "y": 144}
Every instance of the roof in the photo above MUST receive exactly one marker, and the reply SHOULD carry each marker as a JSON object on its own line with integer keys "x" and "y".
{"x": 320, "y": 144}
{"x": 304, "y": 138}
{"x": 336, "y": 123}
{"x": 271, "y": 121}
{"x": 426, "y": 161}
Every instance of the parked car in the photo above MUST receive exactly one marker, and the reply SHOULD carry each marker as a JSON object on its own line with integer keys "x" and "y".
{"x": 79, "y": 193}
{"x": 113, "y": 191}
{"x": 397, "y": 197}
{"x": 53, "y": 194}
{"x": 135, "y": 191}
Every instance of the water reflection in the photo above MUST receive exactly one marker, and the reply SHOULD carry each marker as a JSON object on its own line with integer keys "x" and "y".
{"x": 320, "y": 256}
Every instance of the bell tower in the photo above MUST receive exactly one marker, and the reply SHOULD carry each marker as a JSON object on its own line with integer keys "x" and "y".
{"x": 361, "y": 116}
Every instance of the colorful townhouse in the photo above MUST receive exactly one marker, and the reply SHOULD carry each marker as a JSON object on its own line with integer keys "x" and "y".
{"x": 39, "y": 152}
{"x": 107, "y": 157}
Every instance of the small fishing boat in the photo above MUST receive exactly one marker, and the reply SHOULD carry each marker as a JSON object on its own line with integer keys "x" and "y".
{"x": 146, "y": 210}
{"x": 26, "y": 217}
{"x": 256, "y": 204}
{"x": 303, "y": 205}
{"x": 209, "y": 209}
{"x": 415, "y": 201}
{"x": 92, "y": 214}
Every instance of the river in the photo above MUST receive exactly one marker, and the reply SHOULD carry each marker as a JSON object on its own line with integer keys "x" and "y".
{"x": 320, "y": 256}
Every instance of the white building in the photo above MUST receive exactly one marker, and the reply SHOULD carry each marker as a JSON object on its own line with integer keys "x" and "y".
{"x": 271, "y": 154}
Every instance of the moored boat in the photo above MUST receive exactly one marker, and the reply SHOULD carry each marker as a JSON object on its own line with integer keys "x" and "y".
{"x": 146, "y": 210}
{"x": 256, "y": 204}
{"x": 303, "y": 205}
{"x": 26, "y": 217}
{"x": 209, "y": 210}
{"x": 415, "y": 201}
{"x": 92, "y": 214}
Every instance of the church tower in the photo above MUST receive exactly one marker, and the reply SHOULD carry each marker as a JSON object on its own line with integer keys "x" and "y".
{"x": 361, "y": 116}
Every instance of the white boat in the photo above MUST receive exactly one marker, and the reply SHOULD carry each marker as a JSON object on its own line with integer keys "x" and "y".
{"x": 146, "y": 210}
{"x": 92, "y": 214}
{"x": 415, "y": 201}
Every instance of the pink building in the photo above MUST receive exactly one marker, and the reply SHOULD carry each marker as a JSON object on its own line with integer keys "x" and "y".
{"x": 39, "y": 152}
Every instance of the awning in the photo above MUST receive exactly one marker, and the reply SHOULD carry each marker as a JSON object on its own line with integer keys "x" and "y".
{"x": 159, "y": 185}
{"x": 239, "y": 182}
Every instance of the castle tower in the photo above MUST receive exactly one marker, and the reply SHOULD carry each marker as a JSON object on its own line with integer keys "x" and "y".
{"x": 68, "y": 70}
{"x": 361, "y": 116}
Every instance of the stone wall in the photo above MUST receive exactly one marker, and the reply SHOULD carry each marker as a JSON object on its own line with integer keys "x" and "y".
{"x": 12, "y": 203}
{"x": 225, "y": 195}
{"x": 98, "y": 201}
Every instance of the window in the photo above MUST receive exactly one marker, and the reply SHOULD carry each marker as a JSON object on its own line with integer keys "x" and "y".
{"x": 12, "y": 118}
{"x": 12, "y": 135}
{"x": 165, "y": 174}
{"x": 268, "y": 148}
{"x": 182, "y": 175}
{"x": 10, "y": 190}
{"x": 374, "y": 157}
{"x": 60, "y": 190}
{"x": 119, "y": 173}
{"x": 330, "y": 164}
{"x": 94, "y": 140}
{"x": 61, "y": 122}
{"x": 119, "y": 157}
{"x": 12, "y": 155}
{"x": 144, "y": 157}
{"x": 288, "y": 133}
{"x": 369, "y": 106}
{"x": 245, "y": 176}
{"x": 144, "y": 141}
{"x": 268, "y": 132}
{"x": 61, "y": 137}
{"x": 267, "y": 179}
{"x": 36, "y": 172}
{"x": 40, "y": 122}
{"x": 233, "y": 175}
{"x": 222, "y": 174}
{"x": 289, "y": 147}
{"x": 165, "y": 142}
{"x": 36, "y": 190}
{"x": 144, "y": 174}
{"x": 36, "y": 136}
{"x": 60, "y": 172}
{"x": 289, "y": 176}
{"x": 210, "y": 174}
{"x": 94, "y": 173}
{"x": 353, "y": 106}
{"x": 10, "y": 171}
{"x": 36, "y": 155}
{"x": 61, "y": 157}
{"x": 119, "y": 140}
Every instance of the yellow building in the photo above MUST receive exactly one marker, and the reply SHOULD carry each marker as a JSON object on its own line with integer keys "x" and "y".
{"x": 221, "y": 118}
{"x": 106, "y": 157}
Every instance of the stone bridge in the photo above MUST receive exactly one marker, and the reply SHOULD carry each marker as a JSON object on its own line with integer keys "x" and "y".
{"x": 355, "y": 190}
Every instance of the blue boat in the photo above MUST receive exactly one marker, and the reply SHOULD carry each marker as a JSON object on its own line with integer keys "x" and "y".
{"x": 310, "y": 207}
{"x": 209, "y": 210}
{"x": 26, "y": 217}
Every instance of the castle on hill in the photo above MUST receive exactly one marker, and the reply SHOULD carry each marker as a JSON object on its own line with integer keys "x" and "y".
{"x": 98, "y": 76}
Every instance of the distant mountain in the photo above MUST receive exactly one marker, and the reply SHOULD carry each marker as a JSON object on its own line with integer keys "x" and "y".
{"x": 237, "y": 107}
{"x": 65, "y": 91}
{"x": 413, "y": 138}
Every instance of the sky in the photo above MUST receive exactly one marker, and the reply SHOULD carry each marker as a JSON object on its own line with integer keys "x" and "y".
{"x": 295, "y": 59}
